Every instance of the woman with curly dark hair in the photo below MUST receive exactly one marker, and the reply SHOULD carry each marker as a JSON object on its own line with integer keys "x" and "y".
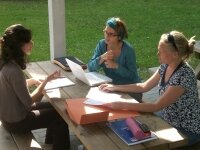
{"x": 21, "y": 111}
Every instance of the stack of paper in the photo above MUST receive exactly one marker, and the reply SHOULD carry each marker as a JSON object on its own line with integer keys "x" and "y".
{"x": 58, "y": 83}
{"x": 98, "y": 97}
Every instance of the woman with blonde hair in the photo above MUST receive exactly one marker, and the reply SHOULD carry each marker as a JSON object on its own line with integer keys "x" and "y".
{"x": 178, "y": 100}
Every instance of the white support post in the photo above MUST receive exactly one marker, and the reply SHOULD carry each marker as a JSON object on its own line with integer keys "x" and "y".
{"x": 56, "y": 10}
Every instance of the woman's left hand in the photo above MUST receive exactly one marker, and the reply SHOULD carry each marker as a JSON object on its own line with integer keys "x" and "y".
{"x": 107, "y": 87}
{"x": 111, "y": 64}
{"x": 33, "y": 81}
{"x": 53, "y": 76}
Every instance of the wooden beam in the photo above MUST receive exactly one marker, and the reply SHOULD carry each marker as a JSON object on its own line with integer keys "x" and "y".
{"x": 56, "y": 10}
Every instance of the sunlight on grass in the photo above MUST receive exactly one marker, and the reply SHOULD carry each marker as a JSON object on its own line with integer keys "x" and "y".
{"x": 170, "y": 134}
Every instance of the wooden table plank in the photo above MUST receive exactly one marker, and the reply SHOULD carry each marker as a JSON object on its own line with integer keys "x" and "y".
{"x": 165, "y": 132}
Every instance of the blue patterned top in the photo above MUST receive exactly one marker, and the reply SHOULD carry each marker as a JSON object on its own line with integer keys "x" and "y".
{"x": 126, "y": 73}
{"x": 185, "y": 112}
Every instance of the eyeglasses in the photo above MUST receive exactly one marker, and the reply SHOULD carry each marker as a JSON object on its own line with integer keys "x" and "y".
{"x": 109, "y": 34}
{"x": 170, "y": 38}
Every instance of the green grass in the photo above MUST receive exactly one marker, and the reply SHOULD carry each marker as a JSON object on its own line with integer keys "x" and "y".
{"x": 85, "y": 19}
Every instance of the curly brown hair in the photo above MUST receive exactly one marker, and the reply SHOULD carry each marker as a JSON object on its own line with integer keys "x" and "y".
{"x": 11, "y": 43}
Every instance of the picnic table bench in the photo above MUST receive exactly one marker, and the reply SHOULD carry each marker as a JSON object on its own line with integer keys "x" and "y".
{"x": 14, "y": 141}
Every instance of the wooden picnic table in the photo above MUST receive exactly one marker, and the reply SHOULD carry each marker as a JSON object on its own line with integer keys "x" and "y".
{"x": 98, "y": 136}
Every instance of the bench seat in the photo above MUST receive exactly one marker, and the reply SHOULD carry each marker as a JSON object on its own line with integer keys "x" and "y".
{"x": 13, "y": 141}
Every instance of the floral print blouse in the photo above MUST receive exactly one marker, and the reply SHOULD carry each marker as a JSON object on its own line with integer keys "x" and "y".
{"x": 185, "y": 112}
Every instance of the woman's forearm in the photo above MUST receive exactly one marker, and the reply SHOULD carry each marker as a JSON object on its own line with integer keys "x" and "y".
{"x": 37, "y": 94}
{"x": 136, "y": 88}
{"x": 141, "y": 107}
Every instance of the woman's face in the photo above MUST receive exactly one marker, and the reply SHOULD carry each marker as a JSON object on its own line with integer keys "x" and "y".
{"x": 110, "y": 36}
{"x": 165, "y": 54}
{"x": 27, "y": 47}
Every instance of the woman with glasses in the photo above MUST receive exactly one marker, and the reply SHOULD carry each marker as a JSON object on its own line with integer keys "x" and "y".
{"x": 115, "y": 55}
{"x": 178, "y": 90}
{"x": 21, "y": 111}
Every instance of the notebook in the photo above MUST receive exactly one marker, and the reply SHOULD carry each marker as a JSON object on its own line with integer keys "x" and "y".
{"x": 90, "y": 78}
{"x": 60, "y": 61}
{"x": 121, "y": 128}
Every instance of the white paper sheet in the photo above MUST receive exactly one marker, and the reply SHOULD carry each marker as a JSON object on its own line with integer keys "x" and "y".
{"x": 59, "y": 82}
{"x": 96, "y": 94}
{"x": 98, "y": 97}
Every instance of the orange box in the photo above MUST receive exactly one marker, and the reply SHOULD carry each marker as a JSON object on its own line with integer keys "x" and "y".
{"x": 81, "y": 113}
{"x": 85, "y": 114}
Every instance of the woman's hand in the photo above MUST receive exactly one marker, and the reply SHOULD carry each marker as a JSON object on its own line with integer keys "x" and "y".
{"x": 53, "y": 76}
{"x": 32, "y": 81}
{"x": 37, "y": 94}
{"x": 107, "y": 87}
{"x": 108, "y": 55}
{"x": 108, "y": 59}
{"x": 111, "y": 64}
